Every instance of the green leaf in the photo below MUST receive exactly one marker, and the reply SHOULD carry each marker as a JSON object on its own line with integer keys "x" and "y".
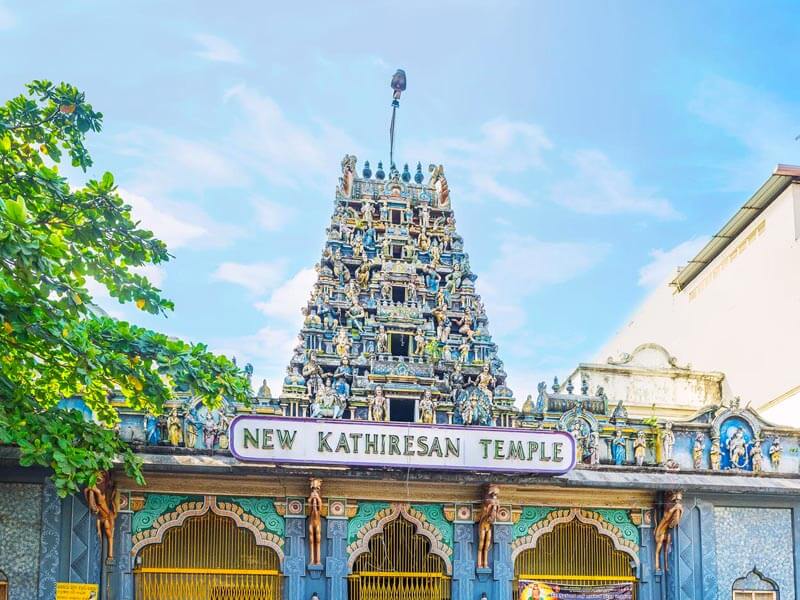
{"x": 16, "y": 211}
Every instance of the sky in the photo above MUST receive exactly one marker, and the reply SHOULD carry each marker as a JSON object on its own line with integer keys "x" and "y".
{"x": 590, "y": 147}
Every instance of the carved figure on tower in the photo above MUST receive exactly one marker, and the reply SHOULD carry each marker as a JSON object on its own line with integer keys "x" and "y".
{"x": 348, "y": 174}
{"x": 439, "y": 183}
{"x": 378, "y": 406}
{"x": 315, "y": 522}
{"x": 491, "y": 504}
{"x": 427, "y": 408}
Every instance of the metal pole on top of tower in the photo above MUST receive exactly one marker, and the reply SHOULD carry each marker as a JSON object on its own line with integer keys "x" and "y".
{"x": 398, "y": 85}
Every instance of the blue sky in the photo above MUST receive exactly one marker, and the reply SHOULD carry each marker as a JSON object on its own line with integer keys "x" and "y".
{"x": 590, "y": 147}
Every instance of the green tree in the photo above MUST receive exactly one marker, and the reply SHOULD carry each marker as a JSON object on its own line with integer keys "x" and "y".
{"x": 54, "y": 343}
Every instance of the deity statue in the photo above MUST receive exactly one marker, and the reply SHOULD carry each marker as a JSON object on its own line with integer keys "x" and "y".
{"x": 293, "y": 377}
{"x": 486, "y": 382}
{"x": 448, "y": 230}
{"x": 222, "y": 430}
{"x": 210, "y": 431}
{"x": 343, "y": 375}
{"x": 697, "y": 450}
{"x": 673, "y": 511}
{"x": 312, "y": 320}
{"x": 367, "y": 212}
{"x": 340, "y": 270}
{"x": 436, "y": 253}
{"x": 640, "y": 448}
{"x": 103, "y": 501}
{"x": 423, "y": 242}
{"x": 427, "y": 408}
{"x": 152, "y": 433}
{"x": 419, "y": 342}
{"x": 618, "y": 449}
{"x": 411, "y": 292}
{"x": 326, "y": 403}
{"x": 424, "y": 217}
{"x": 439, "y": 183}
{"x": 348, "y": 174}
{"x": 465, "y": 326}
{"x": 715, "y": 454}
{"x": 775, "y": 451}
{"x": 409, "y": 251}
{"x": 491, "y": 505}
{"x": 456, "y": 382}
{"x": 453, "y": 279}
{"x": 386, "y": 289}
{"x": 378, "y": 406}
{"x": 463, "y": 352}
{"x": 174, "y": 428}
{"x": 386, "y": 247}
{"x": 264, "y": 393}
{"x": 593, "y": 448}
{"x": 358, "y": 247}
{"x": 312, "y": 373}
{"x": 343, "y": 343}
{"x": 315, "y": 522}
{"x": 439, "y": 314}
{"x": 363, "y": 274}
{"x": 580, "y": 442}
{"x": 355, "y": 317}
{"x": 193, "y": 428}
{"x": 756, "y": 456}
{"x": 737, "y": 448}
{"x": 382, "y": 341}
{"x": 667, "y": 443}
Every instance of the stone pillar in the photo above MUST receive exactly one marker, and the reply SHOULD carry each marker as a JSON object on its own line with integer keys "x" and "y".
{"x": 120, "y": 570}
{"x": 648, "y": 586}
{"x": 336, "y": 559}
{"x": 463, "y": 560}
{"x": 294, "y": 561}
{"x": 50, "y": 541}
{"x": 503, "y": 567}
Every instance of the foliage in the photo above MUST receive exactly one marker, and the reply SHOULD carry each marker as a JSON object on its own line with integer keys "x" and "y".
{"x": 55, "y": 240}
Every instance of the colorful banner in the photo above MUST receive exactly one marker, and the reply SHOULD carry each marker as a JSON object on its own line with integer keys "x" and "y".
{"x": 546, "y": 590}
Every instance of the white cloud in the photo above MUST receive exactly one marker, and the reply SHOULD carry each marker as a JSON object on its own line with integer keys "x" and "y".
{"x": 283, "y": 151}
{"x": 763, "y": 124}
{"x": 596, "y": 186}
{"x": 286, "y": 301}
{"x": 268, "y": 350}
{"x": 7, "y": 18}
{"x": 178, "y": 224}
{"x": 270, "y": 215}
{"x": 217, "y": 49}
{"x": 664, "y": 264}
{"x": 258, "y": 277}
{"x": 503, "y": 148}
{"x": 526, "y": 265}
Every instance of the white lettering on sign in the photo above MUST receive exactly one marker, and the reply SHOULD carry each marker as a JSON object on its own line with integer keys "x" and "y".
{"x": 259, "y": 438}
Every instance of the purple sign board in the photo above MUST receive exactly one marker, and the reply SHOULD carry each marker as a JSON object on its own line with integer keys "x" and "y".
{"x": 288, "y": 440}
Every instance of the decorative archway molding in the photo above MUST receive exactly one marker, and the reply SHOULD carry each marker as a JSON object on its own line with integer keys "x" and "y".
{"x": 197, "y": 508}
{"x": 391, "y": 513}
{"x": 561, "y": 516}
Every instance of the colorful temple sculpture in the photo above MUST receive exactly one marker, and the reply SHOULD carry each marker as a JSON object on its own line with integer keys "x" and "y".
{"x": 395, "y": 462}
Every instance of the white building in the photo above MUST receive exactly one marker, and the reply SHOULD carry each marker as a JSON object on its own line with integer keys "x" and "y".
{"x": 735, "y": 308}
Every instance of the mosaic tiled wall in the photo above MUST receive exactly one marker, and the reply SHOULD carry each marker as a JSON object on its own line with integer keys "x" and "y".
{"x": 20, "y": 511}
{"x": 754, "y": 537}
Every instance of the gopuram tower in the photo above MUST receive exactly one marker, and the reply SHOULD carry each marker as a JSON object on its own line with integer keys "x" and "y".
{"x": 394, "y": 330}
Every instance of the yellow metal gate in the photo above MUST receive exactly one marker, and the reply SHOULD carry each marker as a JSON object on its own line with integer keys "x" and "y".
{"x": 207, "y": 558}
{"x": 399, "y": 565}
{"x": 575, "y": 554}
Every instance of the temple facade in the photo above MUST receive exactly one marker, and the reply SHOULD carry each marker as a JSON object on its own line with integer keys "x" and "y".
{"x": 394, "y": 462}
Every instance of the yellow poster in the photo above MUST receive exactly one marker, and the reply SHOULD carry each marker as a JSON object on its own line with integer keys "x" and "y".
{"x": 76, "y": 591}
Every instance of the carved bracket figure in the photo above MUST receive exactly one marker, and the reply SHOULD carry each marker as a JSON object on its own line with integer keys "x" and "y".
{"x": 673, "y": 510}
{"x": 315, "y": 522}
{"x": 103, "y": 501}
{"x": 488, "y": 517}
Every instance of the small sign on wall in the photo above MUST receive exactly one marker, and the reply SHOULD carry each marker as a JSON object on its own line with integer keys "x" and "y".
{"x": 76, "y": 591}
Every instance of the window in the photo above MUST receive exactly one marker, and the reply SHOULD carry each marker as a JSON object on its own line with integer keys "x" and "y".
{"x": 755, "y": 586}
{"x": 399, "y": 344}
{"x": 402, "y": 410}
{"x": 396, "y": 217}
{"x": 398, "y": 293}
{"x": 397, "y": 251}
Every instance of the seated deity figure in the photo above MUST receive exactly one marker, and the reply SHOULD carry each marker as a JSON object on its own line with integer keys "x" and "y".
{"x": 355, "y": 317}
{"x": 382, "y": 341}
{"x": 427, "y": 408}
{"x": 486, "y": 382}
{"x": 737, "y": 447}
{"x": 327, "y": 403}
{"x": 312, "y": 319}
{"x": 453, "y": 279}
{"x": 369, "y": 239}
{"x": 293, "y": 377}
{"x": 378, "y": 406}
{"x": 343, "y": 343}
{"x": 312, "y": 373}
{"x": 362, "y": 275}
{"x": 465, "y": 326}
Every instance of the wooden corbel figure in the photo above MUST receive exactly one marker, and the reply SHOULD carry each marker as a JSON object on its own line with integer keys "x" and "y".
{"x": 485, "y": 523}
{"x": 103, "y": 501}
{"x": 315, "y": 522}
{"x": 673, "y": 510}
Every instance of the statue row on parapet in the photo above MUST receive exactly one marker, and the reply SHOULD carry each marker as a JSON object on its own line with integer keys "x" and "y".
{"x": 195, "y": 427}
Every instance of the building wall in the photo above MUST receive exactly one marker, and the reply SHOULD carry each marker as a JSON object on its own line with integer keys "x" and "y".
{"x": 754, "y": 537}
{"x": 738, "y": 316}
{"x": 20, "y": 531}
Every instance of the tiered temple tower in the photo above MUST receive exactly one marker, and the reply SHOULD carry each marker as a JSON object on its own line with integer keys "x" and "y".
{"x": 394, "y": 329}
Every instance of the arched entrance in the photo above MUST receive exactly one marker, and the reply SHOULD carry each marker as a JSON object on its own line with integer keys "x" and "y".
{"x": 207, "y": 558}
{"x": 576, "y": 554}
{"x": 399, "y": 564}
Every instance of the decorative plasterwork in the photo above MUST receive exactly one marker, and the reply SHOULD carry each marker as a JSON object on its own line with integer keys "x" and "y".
{"x": 372, "y": 517}
{"x": 619, "y": 534}
{"x": 257, "y": 515}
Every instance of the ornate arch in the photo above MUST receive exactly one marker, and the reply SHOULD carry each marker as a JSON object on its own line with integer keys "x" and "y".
{"x": 157, "y": 526}
{"x": 359, "y": 543}
{"x": 560, "y": 516}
